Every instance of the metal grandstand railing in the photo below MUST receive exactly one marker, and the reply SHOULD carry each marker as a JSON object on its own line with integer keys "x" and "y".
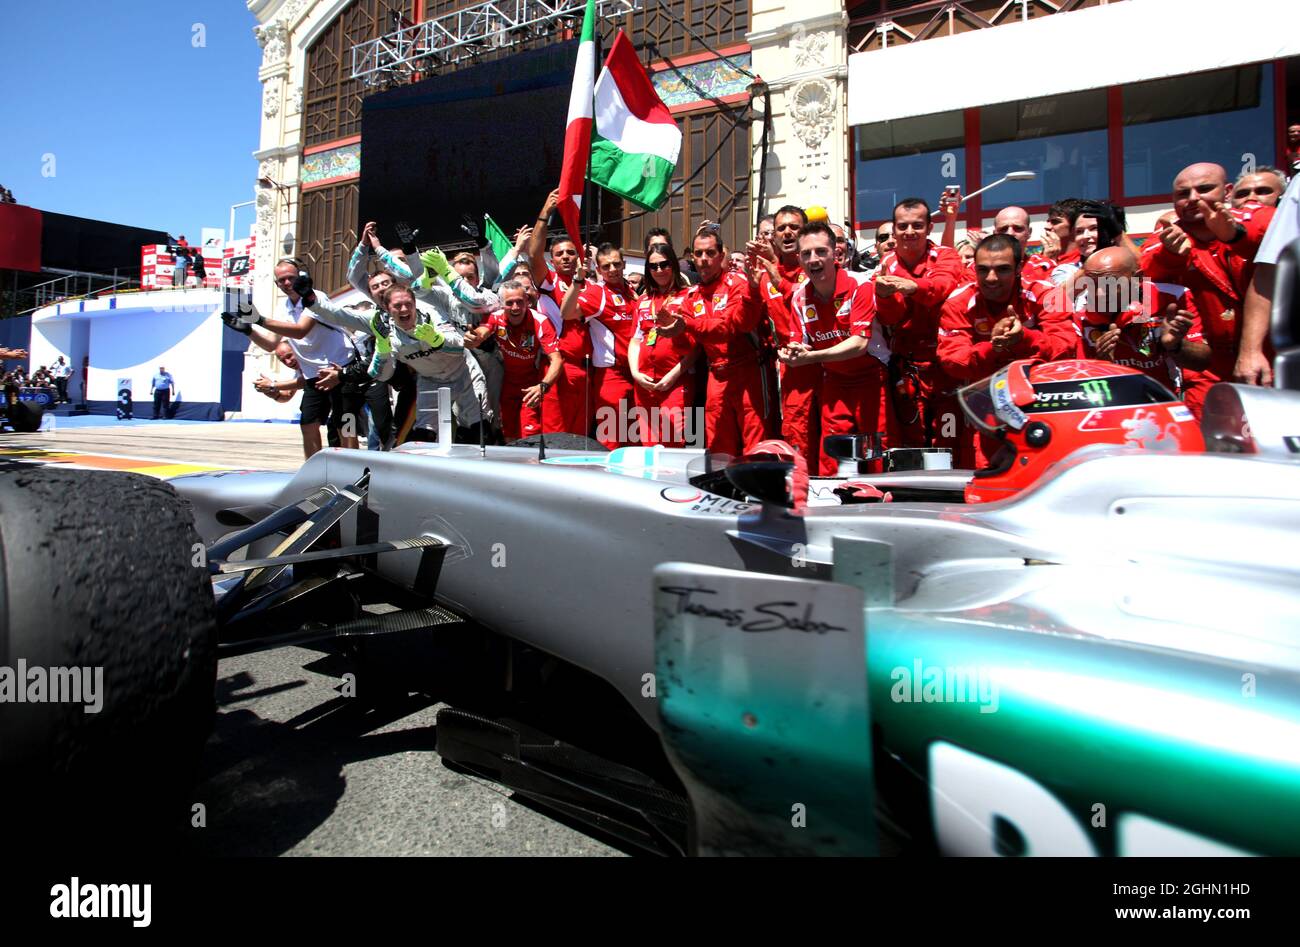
{"x": 470, "y": 32}
{"x": 71, "y": 284}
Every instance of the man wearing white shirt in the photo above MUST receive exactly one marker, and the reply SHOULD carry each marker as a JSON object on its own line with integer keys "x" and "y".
{"x": 315, "y": 346}
{"x": 1254, "y": 366}
{"x": 877, "y": 344}
{"x": 163, "y": 387}
{"x": 61, "y": 371}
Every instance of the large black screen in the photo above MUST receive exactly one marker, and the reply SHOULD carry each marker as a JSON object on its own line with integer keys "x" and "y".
{"x": 486, "y": 139}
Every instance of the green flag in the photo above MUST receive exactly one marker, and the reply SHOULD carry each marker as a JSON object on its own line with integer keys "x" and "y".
{"x": 501, "y": 244}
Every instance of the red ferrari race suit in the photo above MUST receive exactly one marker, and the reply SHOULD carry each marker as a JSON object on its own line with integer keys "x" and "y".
{"x": 1037, "y": 268}
{"x": 720, "y": 317}
{"x": 1217, "y": 275}
{"x": 924, "y": 395}
{"x": 520, "y": 347}
{"x": 611, "y": 317}
{"x": 1071, "y": 255}
{"x": 1140, "y": 328}
{"x": 853, "y": 392}
{"x": 663, "y": 419}
{"x": 966, "y": 349}
{"x": 568, "y": 406}
{"x": 800, "y": 384}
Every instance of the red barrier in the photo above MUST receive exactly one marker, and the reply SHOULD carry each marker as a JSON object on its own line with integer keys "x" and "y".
{"x": 20, "y": 238}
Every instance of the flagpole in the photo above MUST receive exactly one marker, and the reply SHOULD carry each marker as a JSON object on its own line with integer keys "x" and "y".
{"x": 587, "y": 186}
{"x": 587, "y": 191}
{"x": 573, "y": 175}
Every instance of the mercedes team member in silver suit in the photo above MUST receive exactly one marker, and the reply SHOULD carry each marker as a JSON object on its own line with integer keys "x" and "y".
{"x": 451, "y": 298}
{"x": 429, "y": 344}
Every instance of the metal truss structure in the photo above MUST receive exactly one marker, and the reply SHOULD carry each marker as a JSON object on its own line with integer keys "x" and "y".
{"x": 468, "y": 33}
{"x": 882, "y": 30}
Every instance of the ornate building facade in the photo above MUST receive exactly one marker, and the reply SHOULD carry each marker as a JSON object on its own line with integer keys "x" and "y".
{"x": 311, "y": 130}
{"x": 712, "y": 62}
{"x": 947, "y": 92}
{"x": 311, "y": 150}
{"x": 802, "y": 58}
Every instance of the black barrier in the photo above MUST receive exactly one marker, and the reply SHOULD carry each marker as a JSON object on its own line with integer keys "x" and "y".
{"x": 487, "y": 138}
{"x": 41, "y": 395}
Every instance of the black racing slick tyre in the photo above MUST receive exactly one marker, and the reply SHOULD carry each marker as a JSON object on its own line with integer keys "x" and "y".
{"x": 107, "y": 652}
{"x": 25, "y": 417}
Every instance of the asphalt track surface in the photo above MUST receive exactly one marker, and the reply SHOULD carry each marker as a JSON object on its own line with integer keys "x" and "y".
{"x": 237, "y": 444}
{"x": 293, "y": 766}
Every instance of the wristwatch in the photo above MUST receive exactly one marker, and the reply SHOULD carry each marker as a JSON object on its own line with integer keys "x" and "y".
{"x": 545, "y": 386}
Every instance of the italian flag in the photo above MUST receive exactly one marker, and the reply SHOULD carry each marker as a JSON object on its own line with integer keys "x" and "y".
{"x": 577, "y": 135}
{"x": 636, "y": 142}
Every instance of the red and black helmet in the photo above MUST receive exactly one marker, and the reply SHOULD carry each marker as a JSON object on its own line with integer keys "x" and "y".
{"x": 1041, "y": 412}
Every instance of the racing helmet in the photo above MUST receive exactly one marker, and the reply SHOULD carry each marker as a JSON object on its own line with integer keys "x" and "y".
{"x": 1037, "y": 413}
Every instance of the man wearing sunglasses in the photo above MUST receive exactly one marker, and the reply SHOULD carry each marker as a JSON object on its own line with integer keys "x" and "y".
{"x": 1209, "y": 248}
{"x": 316, "y": 345}
{"x": 1263, "y": 187}
{"x": 719, "y": 315}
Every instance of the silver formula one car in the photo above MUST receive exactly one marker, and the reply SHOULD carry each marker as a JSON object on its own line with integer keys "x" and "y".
{"x": 1105, "y": 662}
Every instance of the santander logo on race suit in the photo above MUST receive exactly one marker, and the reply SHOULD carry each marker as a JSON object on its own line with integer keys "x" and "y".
{"x": 831, "y": 335}
{"x": 834, "y": 332}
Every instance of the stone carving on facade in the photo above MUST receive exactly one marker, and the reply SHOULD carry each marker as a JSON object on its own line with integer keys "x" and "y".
{"x": 814, "y": 164}
{"x": 265, "y": 215}
{"x": 274, "y": 40}
{"x": 810, "y": 48}
{"x": 265, "y": 202}
{"x": 295, "y": 102}
{"x": 271, "y": 98}
{"x": 812, "y": 111}
{"x": 290, "y": 12}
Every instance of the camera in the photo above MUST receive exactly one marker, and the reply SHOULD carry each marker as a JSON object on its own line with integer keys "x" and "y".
{"x": 1111, "y": 221}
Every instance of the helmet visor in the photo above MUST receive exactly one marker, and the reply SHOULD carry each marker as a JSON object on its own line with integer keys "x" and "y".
{"x": 990, "y": 405}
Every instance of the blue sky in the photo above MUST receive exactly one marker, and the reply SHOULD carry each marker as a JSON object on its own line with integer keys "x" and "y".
{"x": 145, "y": 127}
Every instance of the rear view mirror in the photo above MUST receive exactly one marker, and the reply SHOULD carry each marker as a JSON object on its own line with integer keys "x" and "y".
{"x": 765, "y": 480}
{"x": 1286, "y": 319}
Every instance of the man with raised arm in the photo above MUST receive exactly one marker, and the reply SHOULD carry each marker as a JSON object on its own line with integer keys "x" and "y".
{"x": 831, "y": 316}
{"x": 911, "y": 285}
{"x": 719, "y": 315}
{"x": 569, "y": 405}
{"x": 1210, "y": 248}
